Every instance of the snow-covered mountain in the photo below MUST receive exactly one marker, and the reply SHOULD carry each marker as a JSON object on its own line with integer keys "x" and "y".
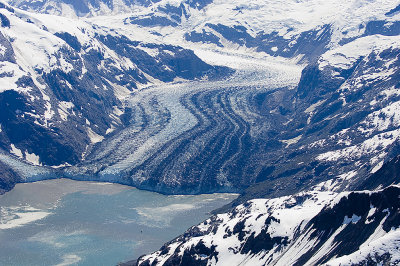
{"x": 309, "y": 228}
{"x": 281, "y": 28}
{"x": 279, "y": 129}
{"x": 284, "y": 131}
{"x": 77, "y": 8}
{"x": 87, "y": 8}
{"x": 64, "y": 81}
{"x": 288, "y": 103}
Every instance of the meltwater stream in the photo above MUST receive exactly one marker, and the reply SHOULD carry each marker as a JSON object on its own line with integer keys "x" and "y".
{"x": 65, "y": 222}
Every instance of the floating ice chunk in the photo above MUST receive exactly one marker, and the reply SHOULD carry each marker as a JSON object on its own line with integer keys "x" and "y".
{"x": 20, "y": 216}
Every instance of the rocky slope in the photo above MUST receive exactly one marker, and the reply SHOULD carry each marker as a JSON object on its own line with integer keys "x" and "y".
{"x": 342, "y": 120}
{"x": 309, "y": 228}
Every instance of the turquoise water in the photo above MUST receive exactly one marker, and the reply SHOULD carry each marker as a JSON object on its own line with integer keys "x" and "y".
{"x": 65, "y": 222}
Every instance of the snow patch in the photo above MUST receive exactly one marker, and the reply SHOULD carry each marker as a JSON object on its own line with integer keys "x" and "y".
{"x": 289, "y": 142}
{"x": 93, "y": 136}
{"x": 353, "y": 219}
{"x": 32, "y": 158}
{"x": 17, "y": 152}
{"x": 64, "y": 109}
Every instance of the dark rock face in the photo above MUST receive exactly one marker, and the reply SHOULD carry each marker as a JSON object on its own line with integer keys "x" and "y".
{"x": 387, "y": 175}
{"x": 311, "y": 43}
{"x": 198, "y": 4}
{"x": 355, "y": 234}
{"x": 152, "y": 21}
{"x": 82, "y": 8}
{"x": 375, "y": 259}
{"x": 280, "y": 146}
{"x": 8, "y": 54}
{"x": 8, "y": 178}
{"x": 393, "y": 11}
{"x": 342, "y": 228}
{"x": 5, "y": 22}
{"x": 168, "y": 15}
{"x": 204, "y": 37}
{"x": 236, "y": 34}
{"x": 288, "y": 140}
{"x": 188, "y": 259}
{"x": 25, "y": 134}
{"x": 383, "y": 27}
{"x": 71, "y": 40}
{"x": 327, "y": 131}
{"x": 171, "y": 61}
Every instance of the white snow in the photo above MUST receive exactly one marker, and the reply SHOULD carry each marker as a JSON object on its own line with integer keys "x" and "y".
{"x": 263, "y": 15}
{"x": 32, "y": 158}
{"x": 17, "y": 152}
{"x": 345, "y": 56}
{"x": 93, "y": 136}
{"x": 312, "y": 107}
{"x": 377, "y": 167}
{"x": 64, "y": 109}
{"x": 48, "y": 114}
{"x": 381, "y": 120}
{"x": 387, "y": 243}
{"x": 376, "y": 144}
{"x": 286, "y": 217}
{"x": 110, "y": 130}
{"x": 289, "y": 142}
{"x": 285, "y": 221}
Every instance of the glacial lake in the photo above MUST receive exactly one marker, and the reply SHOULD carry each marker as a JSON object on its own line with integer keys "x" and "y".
{"x": 65, "y": 222}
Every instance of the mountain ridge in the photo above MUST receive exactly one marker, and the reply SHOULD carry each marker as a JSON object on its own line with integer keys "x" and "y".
{"x": 285, "y": 102}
